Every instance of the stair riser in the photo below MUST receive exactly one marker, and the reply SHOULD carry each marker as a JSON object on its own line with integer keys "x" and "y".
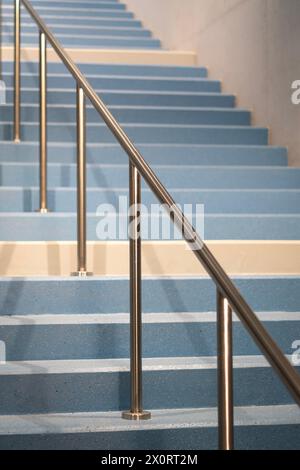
{"x": 154, "y": 154}
{"x": 26, "y": 342}
{"x": 132, "y": 99}
{"x": 131, "y": 83}
{"x": 64, "y": 115}
{"x": 238, "y": 257}
{"x": 113, "y": 69}
{"x": 90, "y": 55}
{"x": 283, "y": 437}
{"x": 147, "y": 134}
{"x": 33, "y": 227}
{"x": 19, "y": 200}
{"x": 109, "y": 5}
{"x": 77, "y": 30}
{"x": 103, "y": 391}
{"x": 80, "y": 41}
{"x": 69, "y": 13}
{"x": 63, "y": 296}
{"x": 84, "y": 21}
{"x": 173, "y": 177}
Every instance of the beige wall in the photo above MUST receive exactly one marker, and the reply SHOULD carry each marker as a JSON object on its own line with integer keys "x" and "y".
{"x": 252, "y": 45}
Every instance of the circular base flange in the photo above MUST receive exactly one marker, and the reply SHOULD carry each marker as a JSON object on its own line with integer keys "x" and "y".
{"x": 82, "y": 274}
{"x": 141, "y": 416}
{"x": 43, "y": 211}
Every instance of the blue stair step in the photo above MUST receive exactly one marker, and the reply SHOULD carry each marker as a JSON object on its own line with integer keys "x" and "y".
{"x": 133, "y": 98}
{"x": 113, "y": 69}
{"x": 19, "y": 199}
{"x": 261, "y": 427}
{"x": 106, "y": 4}
{"x": 74, "y": 11}
{"x": 90, "y": 7}
{"x": 85, "y": 30}
{"x": 59, "y": 295}
{"x": 104, "y": 20}
{"x": 154, "y": 115}
{"x": 187, "y": 177}
{"x": 134, "y": 83}
{"x": 141, "y": 133}
{"x": 106, "y": 336}
{"x": 184, "y": 154}
{"x": 27, "y": 226}
{"x": 104, "y": 385}
{"x": 83, "y": 41}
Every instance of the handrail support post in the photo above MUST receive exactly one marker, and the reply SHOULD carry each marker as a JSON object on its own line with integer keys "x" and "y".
{"x": 136, "y": 411}
{"x": 81, "y": 186}
{"x": 17, "y": 72}
{"x": 43, "y": 209}
{"x": 225, "y": 374}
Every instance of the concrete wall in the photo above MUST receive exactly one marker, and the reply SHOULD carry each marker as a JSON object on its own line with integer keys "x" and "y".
{"x": 252, "y": 45}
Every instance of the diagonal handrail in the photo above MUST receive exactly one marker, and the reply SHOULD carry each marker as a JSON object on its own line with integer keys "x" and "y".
{"x": 229, "y": 297}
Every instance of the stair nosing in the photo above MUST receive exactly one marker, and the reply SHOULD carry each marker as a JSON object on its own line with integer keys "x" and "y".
{"x": 86, "y": 36}
{"x": 125, "y": 77}
{"x": 72, "y": 8}
{"x": 110, "y": 366}
{"x": 68, "y": 26}
{"x": 149, "y": 145}
{"x": 93, "y": 422}
{"x": 247, "y": 128}
{"x": 126, "y": 92}
{"x": 123, "y": 318}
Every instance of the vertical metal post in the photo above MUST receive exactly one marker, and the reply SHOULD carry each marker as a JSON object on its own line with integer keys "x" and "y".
{"x": 136, "y": 411}
{"x": 43, "y": 123}
{"x": 225, "y": 373}
{"x": 17, "y": 74}
{"x": 81, "y": 185}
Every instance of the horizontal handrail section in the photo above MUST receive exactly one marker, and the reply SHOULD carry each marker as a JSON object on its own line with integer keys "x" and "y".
{"x": 228, "y": 297}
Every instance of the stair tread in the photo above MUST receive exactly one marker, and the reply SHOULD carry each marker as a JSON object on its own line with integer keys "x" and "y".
{"x": 33, "y": 67}
{"x": 102, "y": 76}
{"x": 175, "y": 190}
{"x": 128, "y": 92}
{"x": 73, "y": 8}
{"x": 77, "y": 366}
{"x": 161, "y": 419}
{"x": 123, "y": 318}
{"x": 183, "y": 109}
{"x": 137, "y": 125}
{"x": 124, "y": 165}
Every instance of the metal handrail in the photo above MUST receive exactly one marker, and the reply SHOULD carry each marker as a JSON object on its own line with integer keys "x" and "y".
{"x": 228, "y": 297}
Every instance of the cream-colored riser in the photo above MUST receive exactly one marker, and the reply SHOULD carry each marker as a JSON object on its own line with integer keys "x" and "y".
{"x": 159, "y": 258}
{"x": 111, "y": 56}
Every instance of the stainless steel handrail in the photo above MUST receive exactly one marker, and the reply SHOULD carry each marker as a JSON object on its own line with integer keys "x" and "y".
{"x": 228, "y": 297}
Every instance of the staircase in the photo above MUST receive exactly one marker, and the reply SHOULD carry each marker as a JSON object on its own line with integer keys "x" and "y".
{"x": 66, "y": 375}
{"x": 85, "y": 24}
